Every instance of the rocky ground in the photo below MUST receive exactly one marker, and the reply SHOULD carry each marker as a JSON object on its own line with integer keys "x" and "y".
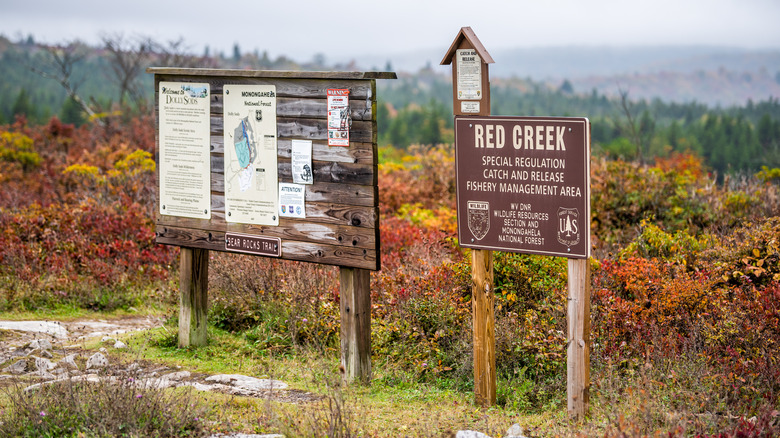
{"x": 40, "y": 352}
{"x": 34, "y": 353}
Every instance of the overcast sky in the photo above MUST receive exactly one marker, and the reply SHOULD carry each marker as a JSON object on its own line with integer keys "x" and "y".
{"x": 349, "y": 29}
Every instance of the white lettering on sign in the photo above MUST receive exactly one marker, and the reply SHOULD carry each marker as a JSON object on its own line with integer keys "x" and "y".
{"x": 544, "y": 137}
{"x": 489, "y": 136}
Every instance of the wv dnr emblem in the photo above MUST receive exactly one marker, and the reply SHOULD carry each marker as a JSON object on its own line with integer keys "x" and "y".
{"x": 568, "y": 226}
{"x": 479, "y": 219}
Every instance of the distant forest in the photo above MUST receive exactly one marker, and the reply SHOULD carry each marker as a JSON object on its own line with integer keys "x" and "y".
{"x": 77, "y": 83}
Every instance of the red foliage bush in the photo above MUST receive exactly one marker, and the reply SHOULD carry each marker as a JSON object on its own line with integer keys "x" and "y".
{"x": 59, "y": 230}
{"x": 104, "y": 242}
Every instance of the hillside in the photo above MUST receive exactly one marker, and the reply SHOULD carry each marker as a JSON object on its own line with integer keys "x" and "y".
{"x": 711, "y": 75}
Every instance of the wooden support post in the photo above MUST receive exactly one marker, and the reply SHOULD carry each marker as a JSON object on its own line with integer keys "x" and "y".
{"x": 356, "y": 324}
{"x": 193, "y": 296}
{"x": 482, "y": 300}
{"x": 578, "y": 339}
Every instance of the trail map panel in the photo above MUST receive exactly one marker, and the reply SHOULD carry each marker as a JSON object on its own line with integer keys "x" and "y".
{"x": 523, "y": 184}
{"x": 184, "y": 178}
{"x": 251, "y": 181}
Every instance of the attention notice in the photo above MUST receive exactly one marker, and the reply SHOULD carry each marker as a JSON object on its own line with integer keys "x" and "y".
{"x": 523, "y": 184}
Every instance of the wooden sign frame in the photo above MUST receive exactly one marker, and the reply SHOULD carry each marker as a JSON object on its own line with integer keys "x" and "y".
{"x": 342, "y": 217}
{"x": 341, "y": 223}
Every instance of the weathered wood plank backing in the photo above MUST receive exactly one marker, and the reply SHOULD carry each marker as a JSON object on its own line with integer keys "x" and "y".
{"x": 342, "y": 216}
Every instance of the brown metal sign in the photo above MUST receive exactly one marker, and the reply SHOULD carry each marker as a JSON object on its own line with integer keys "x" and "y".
{"x": 523, "y": 184}
{"x": 250, "y": 244}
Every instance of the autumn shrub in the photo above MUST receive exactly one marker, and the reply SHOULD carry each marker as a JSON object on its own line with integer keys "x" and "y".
{"x": 751, "y": 254}
{"x": 75, "y": 252}
{"x": 646, "y": 306}
{"x": 72, "y": 407}
{"x": 675, "y": 193}
{"x": 277, "y": 304}
{"x": 655, "y": 305}
{"x": 74, "y": 230}
{"x": 424, "y": 175}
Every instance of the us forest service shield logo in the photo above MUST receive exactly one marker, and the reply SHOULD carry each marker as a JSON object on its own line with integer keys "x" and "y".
{"x": 479, "y": 218}
{"x": 568, "y": 226}
{"x": 259, "y": 115}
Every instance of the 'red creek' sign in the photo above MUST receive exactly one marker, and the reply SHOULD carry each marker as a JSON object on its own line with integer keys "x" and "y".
{"x": 523, "y": 184}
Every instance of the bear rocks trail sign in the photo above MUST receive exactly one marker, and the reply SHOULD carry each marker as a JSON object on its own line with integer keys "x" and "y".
{"x": 273, "y": 164}
{"x": 522, "y": 184}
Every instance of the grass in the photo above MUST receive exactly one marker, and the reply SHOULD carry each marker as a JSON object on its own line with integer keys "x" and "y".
{"x": 390, "y": 406}
{"x": 673, "y": 396}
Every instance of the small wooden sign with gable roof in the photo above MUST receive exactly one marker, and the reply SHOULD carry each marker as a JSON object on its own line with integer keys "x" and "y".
{"x": 470, "y": 79}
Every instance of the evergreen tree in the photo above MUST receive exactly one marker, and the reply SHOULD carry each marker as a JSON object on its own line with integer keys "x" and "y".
{"x": 72, "y": 112}
{"x": 23, "y": 106}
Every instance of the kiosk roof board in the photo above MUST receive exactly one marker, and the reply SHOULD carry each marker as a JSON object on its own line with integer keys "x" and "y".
{"x": 228, "y": 198}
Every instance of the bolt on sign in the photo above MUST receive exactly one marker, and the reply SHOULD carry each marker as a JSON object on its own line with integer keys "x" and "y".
{"x": 523, "y": 184}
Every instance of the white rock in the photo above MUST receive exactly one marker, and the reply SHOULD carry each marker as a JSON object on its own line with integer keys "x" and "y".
{"x": 246, "y": 382}
{"x": 155, "y": 383}
{"x": 44, "y": 374}
{"x": 18, "y": 367}
{"x": 107, "y": 339}
{"x": 69, "y": 361}
{"x": 515, "y": 431}
{"x": 43, "y": 364}
{"x": 201, "y": 386}
{"x": 97, "y": 360}
{"x": 119, "y": 345}
{"x": 177, "y": 376}
{"x": 46, "y": 327}
{"x": 43, "y": 344}
{"x": 470, "y": 434}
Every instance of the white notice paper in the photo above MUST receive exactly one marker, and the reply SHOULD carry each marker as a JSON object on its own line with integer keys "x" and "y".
{"x": 301, "y": 162}
{"x": 469, "y": 74}
{"x": 250, "y": 154}
{"x": 292, "y": 200}
{"x": 185, "y": 148}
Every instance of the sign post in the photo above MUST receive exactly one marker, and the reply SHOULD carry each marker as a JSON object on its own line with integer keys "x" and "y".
{"x": 471, "y": 95}
{"x": 523, "y": 185}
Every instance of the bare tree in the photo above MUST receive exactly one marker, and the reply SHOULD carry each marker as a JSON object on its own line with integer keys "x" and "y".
{"x": 176, "y": 54}
{"x": 633, "y": 129}
{"x": 128, "y": 58}
{"x": 58, "y": 65}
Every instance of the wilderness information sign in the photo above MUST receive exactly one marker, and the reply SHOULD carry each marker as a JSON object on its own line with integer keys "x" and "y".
{"x": 185, "y": 187}
{"x": 523, "y": 184}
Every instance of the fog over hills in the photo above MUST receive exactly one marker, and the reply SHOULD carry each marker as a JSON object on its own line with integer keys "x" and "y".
{"x": 707, "y": 74}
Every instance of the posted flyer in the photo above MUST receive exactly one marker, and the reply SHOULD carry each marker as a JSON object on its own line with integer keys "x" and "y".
{"x": 301, "y": 162}
{"x": 185, "y": 161}
{"x": 339, "y": 118}
{"x": 292, "y": 199}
